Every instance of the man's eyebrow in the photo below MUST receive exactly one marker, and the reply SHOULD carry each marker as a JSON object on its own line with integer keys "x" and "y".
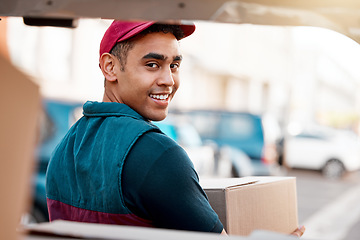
{"x": 178, "y": 58}
{"x": 154, "y": 56}
{"x": 160, "y": 57}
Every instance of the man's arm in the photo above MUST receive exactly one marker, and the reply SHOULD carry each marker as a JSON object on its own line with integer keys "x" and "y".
{"x": 160, "y": 184}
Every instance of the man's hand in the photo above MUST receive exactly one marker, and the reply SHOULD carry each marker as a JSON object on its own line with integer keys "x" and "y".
{"x": 299, "y": 231}
{"x": 223, "y": 232}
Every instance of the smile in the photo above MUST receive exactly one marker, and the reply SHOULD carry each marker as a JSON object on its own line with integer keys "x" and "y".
{"x": 159, "y": 97}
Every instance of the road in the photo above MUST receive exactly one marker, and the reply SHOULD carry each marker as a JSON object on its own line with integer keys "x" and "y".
{"x": 329, "y": 209}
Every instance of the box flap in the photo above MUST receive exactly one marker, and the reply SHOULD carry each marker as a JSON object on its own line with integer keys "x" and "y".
{"x": 229, "y": 183}
{"x": 223, "y": 183}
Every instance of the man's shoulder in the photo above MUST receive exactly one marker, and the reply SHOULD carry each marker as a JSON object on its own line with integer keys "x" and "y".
{"x": 157, "y": 140}
{"x": 153, "y": 145}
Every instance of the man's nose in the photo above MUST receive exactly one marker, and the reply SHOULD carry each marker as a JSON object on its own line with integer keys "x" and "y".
{"x": 167, "y": 77}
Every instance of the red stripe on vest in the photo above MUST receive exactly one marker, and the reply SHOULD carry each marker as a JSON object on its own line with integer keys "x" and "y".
{"x": 59, "y": 210}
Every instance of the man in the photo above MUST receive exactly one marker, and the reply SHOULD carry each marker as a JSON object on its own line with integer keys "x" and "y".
{"x": 114, "y": 166}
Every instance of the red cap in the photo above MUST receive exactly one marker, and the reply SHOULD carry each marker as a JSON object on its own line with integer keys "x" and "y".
{"x": 122, "y": 30}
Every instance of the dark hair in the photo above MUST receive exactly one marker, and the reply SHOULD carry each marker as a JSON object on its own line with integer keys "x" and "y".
{"x": 121, "y": 49}
{"x": 165, "y": 28}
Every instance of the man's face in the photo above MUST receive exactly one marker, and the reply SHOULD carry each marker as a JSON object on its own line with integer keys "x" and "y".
{"x": 151, "y": 75}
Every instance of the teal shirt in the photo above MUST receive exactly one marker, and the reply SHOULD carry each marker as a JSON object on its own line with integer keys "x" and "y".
{"x": 116, "y": 167}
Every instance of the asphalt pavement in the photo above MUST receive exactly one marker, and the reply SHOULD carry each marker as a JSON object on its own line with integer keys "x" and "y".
{"x": 329, "y": 209}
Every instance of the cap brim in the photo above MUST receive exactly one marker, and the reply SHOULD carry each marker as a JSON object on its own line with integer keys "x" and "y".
{"x": 188, "y": 29}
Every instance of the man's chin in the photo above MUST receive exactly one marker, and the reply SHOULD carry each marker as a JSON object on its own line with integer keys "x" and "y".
{"x": 158, "y": 117}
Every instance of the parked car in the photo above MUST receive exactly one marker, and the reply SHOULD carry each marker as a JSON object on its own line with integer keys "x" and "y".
{"x": 244, "y": 132}
{"x": 55, "y": 120}
{"x": 331, "y": 151}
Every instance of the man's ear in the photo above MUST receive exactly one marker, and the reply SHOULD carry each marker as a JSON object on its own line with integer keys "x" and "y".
{"x": 108, "y": 63}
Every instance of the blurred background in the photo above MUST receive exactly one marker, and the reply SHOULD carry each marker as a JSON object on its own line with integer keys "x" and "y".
{"x": 254, "y": 100}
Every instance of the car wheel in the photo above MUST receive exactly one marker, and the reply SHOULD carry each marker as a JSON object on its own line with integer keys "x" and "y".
{"x": 333, "y": 169}
{"x": 234, "y": 172}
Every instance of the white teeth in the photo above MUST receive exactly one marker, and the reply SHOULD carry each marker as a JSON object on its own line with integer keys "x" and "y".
{"x": 160, "y": 97}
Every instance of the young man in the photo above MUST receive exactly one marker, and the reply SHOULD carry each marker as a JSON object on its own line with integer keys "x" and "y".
{"x": 114, "y": 166}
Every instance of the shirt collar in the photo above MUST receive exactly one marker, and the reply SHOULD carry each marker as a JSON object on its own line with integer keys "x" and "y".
{"x": 107, "y": 109}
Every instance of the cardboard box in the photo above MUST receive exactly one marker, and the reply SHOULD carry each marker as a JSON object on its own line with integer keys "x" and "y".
{"x": 20, "y": 105}
{"x": 246, "y": 204}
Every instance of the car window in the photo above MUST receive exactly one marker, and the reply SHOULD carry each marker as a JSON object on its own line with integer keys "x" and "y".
{"x": 207, "y": 124}
{"x": 75, "y": 115}
{"x": 240, "y": 127}
{"x": 188, "y": 136}
{"x": 47, "y": 127}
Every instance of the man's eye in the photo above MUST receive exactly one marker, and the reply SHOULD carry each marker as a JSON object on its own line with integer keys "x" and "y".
{"x": 174, "y": 65}
{"x": 152, "y": 65}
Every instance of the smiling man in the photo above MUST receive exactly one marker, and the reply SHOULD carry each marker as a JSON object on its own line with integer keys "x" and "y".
{"x": 150, "y": 78}
{"x": 114, "y": 166}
